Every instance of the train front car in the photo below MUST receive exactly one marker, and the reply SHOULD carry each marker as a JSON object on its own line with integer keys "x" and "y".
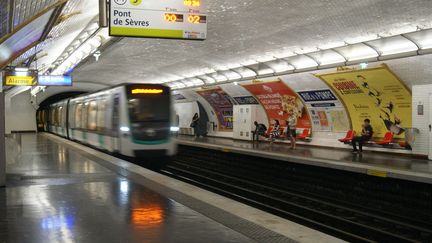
{"x": 147, "y": 130}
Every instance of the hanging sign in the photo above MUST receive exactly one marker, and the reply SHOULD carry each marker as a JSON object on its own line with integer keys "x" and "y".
{"x": 175, "y": 19}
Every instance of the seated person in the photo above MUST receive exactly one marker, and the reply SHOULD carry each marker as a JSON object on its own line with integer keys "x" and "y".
{"x": 366, "y": 135}
{"x": 275, "y": 132}
{"x": 260, "y": 130}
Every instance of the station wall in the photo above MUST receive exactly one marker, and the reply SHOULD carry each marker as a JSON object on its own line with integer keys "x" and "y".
{"x": 20, "y": 113}
{"x": 413, "y": 71}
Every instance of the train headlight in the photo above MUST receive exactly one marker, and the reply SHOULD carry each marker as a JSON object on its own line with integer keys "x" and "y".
{"x": 174, "y": 129}
{"x": 124, "y": 129}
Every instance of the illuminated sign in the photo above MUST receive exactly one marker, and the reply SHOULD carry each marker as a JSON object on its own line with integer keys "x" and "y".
{"x": 20, "y": 81}
{"x": 177, "y": 19}
{"x": 147, "y": 91}
{"x": 54, "y": 80}
{"x": 20, "y": 77}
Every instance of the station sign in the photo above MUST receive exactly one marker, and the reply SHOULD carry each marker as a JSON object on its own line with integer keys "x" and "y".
{"x": 175, "y": 19}
{"x": 48, "y": 80}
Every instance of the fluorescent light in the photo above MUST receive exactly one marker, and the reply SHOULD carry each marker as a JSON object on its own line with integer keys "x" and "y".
{"x": 124, "y": 129}
{"x": 21, "y": 74}
{"x": 21, "y": 69}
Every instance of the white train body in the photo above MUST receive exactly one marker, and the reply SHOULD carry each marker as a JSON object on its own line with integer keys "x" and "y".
{"x": 135, "y": 120}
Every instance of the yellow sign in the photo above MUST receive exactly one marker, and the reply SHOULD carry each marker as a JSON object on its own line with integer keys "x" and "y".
{"x": 378, "y": 173}
{"x": 20, "y": 81}
{"x": 146, "y": 91}
{"x": 376, "y": 94}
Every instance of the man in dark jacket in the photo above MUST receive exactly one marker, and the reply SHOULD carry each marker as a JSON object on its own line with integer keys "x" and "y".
{"x": 366, "y": 135}
{"x": 260, "y": 130}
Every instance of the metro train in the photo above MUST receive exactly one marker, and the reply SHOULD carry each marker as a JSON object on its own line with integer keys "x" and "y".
{"x": 135, "y": 120}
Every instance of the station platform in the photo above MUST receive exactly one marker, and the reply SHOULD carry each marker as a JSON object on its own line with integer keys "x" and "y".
{"x": 399, "y": 166}
{"x": 61, "y": 191}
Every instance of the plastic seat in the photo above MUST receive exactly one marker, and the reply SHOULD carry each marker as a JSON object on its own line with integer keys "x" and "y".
{"x": 348, "y": 137}
{"x": 388, "y": 138}
{"x": 304, "y": 134}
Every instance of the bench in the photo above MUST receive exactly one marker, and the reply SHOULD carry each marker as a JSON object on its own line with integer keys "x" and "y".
{"x": 304, "y": 135}
{"x": 348, "y": 137}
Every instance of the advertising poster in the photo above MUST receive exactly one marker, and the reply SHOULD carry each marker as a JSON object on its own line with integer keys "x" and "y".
{"x": 376, "y": 94}
{"x": 277, "y": 99}
{"x": 339, "y": 120}
{"x": 221, "y": 104}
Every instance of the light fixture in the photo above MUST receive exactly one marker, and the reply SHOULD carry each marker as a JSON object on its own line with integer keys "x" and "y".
{"x": 21, "y": 69}
{"x": 124, "y": 129}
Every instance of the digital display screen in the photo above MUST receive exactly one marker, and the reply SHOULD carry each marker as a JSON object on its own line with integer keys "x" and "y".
{"x": 146, "y": 91}
{"x": 138, "y": 90}
{"x": 170, "y": 17}
{"x": 197, "y": 19}
{"x": 192, "y": 3}
{"x": 179, "y": 19}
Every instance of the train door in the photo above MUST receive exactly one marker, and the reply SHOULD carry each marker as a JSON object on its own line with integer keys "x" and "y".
{"x": 430, "y": 126}
{"x": 115, "y": 122}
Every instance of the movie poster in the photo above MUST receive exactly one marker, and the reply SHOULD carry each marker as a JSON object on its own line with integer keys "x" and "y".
{"x": 376, "y": 94}
{"x": 277, "y": 99}
{"x": 221, "y": 104}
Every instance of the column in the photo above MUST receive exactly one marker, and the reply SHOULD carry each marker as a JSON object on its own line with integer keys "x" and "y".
{"x": 2, "y": 141}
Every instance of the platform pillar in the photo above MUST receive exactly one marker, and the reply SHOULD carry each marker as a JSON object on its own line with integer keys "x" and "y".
{"x": 2, "y": 141}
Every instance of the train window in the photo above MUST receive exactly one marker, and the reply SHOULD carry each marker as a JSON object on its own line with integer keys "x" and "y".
{"x": 54, "y": 116}
{"x": 84, "y": 115}
{"x": 92, "y": 115}
{"x": 143, "y": 109}
{"x": 59, "y": 116}
{"x": 101, "y": 115}
{"x": 78, "y": 114}
{"x": 71, "y": 118}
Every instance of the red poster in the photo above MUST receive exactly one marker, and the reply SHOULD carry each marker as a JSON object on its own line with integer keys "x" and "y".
{"x": 277, "y": 99}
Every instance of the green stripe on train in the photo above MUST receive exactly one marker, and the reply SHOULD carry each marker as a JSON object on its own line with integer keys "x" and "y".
{"x": 150, "y": 142}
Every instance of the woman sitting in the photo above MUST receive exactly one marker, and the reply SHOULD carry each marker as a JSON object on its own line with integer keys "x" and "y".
{"x": 275, "y": 132}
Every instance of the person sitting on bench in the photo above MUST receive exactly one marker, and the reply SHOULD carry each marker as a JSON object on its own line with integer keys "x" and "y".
{"x": 275, "y": 132}
{"x": 366, "y": 135}
{"x": 260, "y": 130}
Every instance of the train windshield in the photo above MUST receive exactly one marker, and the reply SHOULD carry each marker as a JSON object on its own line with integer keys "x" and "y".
{"x": 149, "y": 109}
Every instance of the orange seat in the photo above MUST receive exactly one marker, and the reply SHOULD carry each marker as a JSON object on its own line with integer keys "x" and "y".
{"x": 388, "y": 138}
{"x": 349, "y": 136}
{"x": 304, "y": 134}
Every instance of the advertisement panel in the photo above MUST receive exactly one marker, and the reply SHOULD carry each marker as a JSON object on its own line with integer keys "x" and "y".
{"x": 376, "y": 94}
{"x": 277, "y": 99}
{"x": 221, "y": 104}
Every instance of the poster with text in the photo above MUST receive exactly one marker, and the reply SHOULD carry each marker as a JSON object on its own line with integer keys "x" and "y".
{"x": 277, "y": 99}
{"x": 376, "y": 94}
{"x": 221, "y": 104}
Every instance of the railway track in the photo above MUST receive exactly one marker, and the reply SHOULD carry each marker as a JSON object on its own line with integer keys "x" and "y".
{"x": 343, "y": 219}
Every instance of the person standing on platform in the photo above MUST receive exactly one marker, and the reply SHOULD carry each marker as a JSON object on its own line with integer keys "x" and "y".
{"x": 260, "y": 130}
{"x": 194, "y": 124}
{"x": 275, "y": 130}
{"x": 366, "y": 135}
{"x": 291, "y": 129}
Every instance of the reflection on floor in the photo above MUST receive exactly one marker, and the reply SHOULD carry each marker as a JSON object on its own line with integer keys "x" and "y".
{"x": 54, "y": 194}
{"x": 384, "y": 160}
